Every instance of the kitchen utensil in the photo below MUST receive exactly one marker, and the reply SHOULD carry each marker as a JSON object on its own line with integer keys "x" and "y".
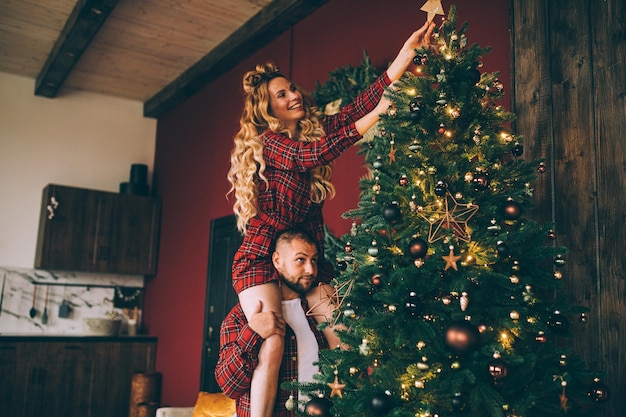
{"x": 4, "y": 280}
{"x": 33, "y": 310}
{"x": 44, "y": 316}
{"x": 64, "y": 308}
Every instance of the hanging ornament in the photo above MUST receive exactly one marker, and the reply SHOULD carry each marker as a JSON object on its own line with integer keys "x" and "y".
{"x": 464, "y": 301}
{"x": 342, "y": 265}
{"x": 440, "y": 189}
{"x": 420, "y": 59}
{"x": 517, "y": 150}
{"x": 349, "y": 312}
{"x": 557, "y": 321}
{"x": 451, "y": 216}
{"x": 377, "y": 280}
{"x": 442, "y": 129}
{"x": 319, "y": 407}
{"x": 403, "y": 181}
{"x": 494, "y": 226}
{"x": 480, "y": 180}
{"x": 410, "y": 304}
{"x": 415, "y": 146}
{"x": 551, "y": 235}
{"x": 583, "y": 318}
{"x": 290, "y": 404}
{"x": 451, "y": 260}
{"x": 415, "y": 108}
{"x": 442, "y": 99}
{"x": 541, "y": 169}
{"x": 392, "y": 213}
{"x": 563, "y": 397}
{"x": 348, "y": 247}
{"x": 418, "y": 248}
{"x": 559, "y": 260}
{"x": 598, "y": 391}
{"x": 462, "y": 337}
{"x": 373, "y": 250}
{"x": 497, "y": 368}
{"x": 375, "y": 188}
{"x": 364, "y": 348}
{"x": 473, "y": 75}
{"x": 541, "y": 337}
{"x": 503, "y": 249}
{"x": 381, "y": 403}
{"x": 336, "y": 387}
{"x": 413, "y": 203}
{"x": 458, "y": 402}
{"x": 392, "y": 151}
{"x": 511, "y": 210}
{"x": 378, "y": 163}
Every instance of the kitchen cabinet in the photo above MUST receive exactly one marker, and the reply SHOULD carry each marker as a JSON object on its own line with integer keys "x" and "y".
{"x": 71, "y": 377}
{"x": 97, "y": 231}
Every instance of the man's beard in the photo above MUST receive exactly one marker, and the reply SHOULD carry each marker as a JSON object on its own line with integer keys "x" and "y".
{"x": 297, "y": 287}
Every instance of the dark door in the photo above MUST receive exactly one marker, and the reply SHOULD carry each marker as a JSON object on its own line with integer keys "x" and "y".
{"x": 224, "y": 242}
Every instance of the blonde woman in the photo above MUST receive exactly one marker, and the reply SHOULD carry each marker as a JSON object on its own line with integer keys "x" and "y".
{"x": 281, "y": 165}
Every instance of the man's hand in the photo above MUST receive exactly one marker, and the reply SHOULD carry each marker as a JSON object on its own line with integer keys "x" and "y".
{"x": 267, "y": 323}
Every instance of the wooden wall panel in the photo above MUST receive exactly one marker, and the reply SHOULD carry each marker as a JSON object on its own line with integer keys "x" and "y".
{"x": 608, "y": 43}
{"x": 569, "y": 91}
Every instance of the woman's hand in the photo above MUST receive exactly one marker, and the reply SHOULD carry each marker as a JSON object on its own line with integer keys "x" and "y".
{"x": 418, "y": 39}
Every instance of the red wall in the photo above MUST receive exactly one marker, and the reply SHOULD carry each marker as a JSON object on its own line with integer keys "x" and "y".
{"x": 194, "y": 141}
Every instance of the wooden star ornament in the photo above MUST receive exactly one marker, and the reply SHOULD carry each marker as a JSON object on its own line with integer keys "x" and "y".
{"x": 330, "y": 302}
{"x": 433, "y": 8}
{"x": 392, "y": 154}
{"x": 451, "y": 260}
{"x": 448, "y": 214}
{"x": 336, "y": 388}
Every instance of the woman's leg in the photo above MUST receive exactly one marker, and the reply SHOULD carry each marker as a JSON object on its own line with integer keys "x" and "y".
{"x": 264, "y": 384}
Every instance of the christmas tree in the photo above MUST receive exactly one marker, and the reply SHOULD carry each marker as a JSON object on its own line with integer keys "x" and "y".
{"x": 448, "y": 290}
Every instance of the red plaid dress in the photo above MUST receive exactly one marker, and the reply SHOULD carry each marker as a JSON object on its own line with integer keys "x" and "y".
{"x": 239, "y": 349}
{"x": 285, "y": 202}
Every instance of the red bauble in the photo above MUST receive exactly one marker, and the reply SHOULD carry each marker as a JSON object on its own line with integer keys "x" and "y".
{"x": 377, "y": 280}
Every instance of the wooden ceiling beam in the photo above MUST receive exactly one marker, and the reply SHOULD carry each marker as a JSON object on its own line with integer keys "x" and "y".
{"x": 81, "y": 27}
{"x": 276, "y": 18}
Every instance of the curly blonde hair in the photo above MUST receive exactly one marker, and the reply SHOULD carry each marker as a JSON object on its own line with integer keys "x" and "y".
{"x": 247, "y": 165}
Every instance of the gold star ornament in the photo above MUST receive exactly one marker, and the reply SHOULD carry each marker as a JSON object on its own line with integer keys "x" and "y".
{"x": 433, "y": 8}
{"x": 335, "y": 388}
{"x": 451, "y": 260}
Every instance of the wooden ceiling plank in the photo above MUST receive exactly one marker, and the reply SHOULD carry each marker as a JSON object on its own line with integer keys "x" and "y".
{"x": 82, "y": 25}
{"x": 262, "y": 28}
